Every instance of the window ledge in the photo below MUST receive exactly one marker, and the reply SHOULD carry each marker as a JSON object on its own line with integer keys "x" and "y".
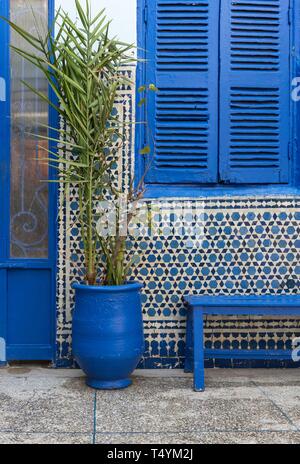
{"x": 191, "y": 191}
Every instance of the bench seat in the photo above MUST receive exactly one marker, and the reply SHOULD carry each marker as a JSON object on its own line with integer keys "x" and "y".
{"x": 203, "y": 305}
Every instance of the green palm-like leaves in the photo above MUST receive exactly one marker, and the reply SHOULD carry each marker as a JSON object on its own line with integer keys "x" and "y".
{"x": 83, "y": 67}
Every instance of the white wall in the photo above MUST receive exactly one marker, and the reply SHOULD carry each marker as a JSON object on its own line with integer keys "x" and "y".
{"x": 122, "y": 12}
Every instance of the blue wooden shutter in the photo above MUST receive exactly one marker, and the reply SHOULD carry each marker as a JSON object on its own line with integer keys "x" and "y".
{"x": 254, "y": 91}
{"x": 182, "y": 60}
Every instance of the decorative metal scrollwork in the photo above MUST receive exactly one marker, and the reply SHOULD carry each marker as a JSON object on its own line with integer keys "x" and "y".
{"x": 29, "y": 197}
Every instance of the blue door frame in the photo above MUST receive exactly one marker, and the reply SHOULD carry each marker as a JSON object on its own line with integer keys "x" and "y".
{"x": 27, "y": 286}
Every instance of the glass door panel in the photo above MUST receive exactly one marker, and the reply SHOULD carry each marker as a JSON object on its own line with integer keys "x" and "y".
{"x": 29, "y": 172}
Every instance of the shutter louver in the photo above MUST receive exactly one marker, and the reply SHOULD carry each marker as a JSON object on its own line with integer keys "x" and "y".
{"x": 182, "y": 61}
{"x": 254, "y": 91}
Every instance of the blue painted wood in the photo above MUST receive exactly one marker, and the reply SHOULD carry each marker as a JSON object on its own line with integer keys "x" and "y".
{"x": 267, "y": 355}
{"x": 186, "y": 191}
{"x": 189, "y": 350}
{"x": 266, "y": 311}
{"x": 182, "y": 60}
{"x": 262, "y": 305}
{"x": 28, "y": 286}
{"x": 24, "y": 264}
{"x": 258, "y": 302}
{"x": 198, "y": 334}
{"x": 140, "y": 132}
{"x": 3, "y": 321}
{"x": 4, "y": 171}
{"x": 53, "y": 206}
{"x": 295, "y": 110}
{"x": 254, "y": 92}
{"x": 27, "y": 352}
{"x": 4, "y": 133}
{"x": 289, "y": 169}
{"x": 29, "y": 314}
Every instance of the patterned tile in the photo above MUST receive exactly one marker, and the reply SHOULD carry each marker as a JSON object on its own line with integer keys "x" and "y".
{"x": 210, "y": 246}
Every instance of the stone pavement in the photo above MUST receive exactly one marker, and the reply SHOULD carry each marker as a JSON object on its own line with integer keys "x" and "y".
{"x": 41, "y": 405}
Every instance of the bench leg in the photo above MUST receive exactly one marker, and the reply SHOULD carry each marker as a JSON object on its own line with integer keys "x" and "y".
{"x": 188, "y": 364}
{"x": 199, "y": 381}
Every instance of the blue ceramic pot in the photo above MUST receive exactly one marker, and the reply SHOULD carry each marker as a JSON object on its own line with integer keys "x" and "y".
{"x": 108, "y": 338}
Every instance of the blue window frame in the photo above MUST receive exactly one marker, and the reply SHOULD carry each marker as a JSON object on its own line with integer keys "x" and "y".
{"x": 223, "y": 116}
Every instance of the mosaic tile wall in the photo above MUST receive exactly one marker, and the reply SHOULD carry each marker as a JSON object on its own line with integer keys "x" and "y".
{"x": 212, "y": 246}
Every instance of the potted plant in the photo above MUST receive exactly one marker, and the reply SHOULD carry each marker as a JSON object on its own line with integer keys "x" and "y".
{"x": 83, "y": 67}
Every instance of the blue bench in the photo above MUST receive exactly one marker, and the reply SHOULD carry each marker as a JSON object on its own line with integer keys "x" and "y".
{"x": 202, "y": 305}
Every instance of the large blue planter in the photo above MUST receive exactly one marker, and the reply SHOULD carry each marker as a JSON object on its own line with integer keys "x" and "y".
{"x": 108, "y": 337}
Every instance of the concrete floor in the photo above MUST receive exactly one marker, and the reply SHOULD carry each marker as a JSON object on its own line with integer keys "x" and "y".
{"x": 39, "y": 405}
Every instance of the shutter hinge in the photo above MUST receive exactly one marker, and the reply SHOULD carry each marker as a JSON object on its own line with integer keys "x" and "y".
{"x": 146, "y": 14}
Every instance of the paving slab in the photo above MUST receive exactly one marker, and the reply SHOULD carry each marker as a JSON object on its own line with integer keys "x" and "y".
{"x": 46, "y": 404}
{"x": 287, "y": 399}
{"x": 261, "y": 376}
{"x": 39, "y": 405}
{"x": 200, "y": 438}
{"x": 45, "y": 439}
{"x": 170, "y": 405}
